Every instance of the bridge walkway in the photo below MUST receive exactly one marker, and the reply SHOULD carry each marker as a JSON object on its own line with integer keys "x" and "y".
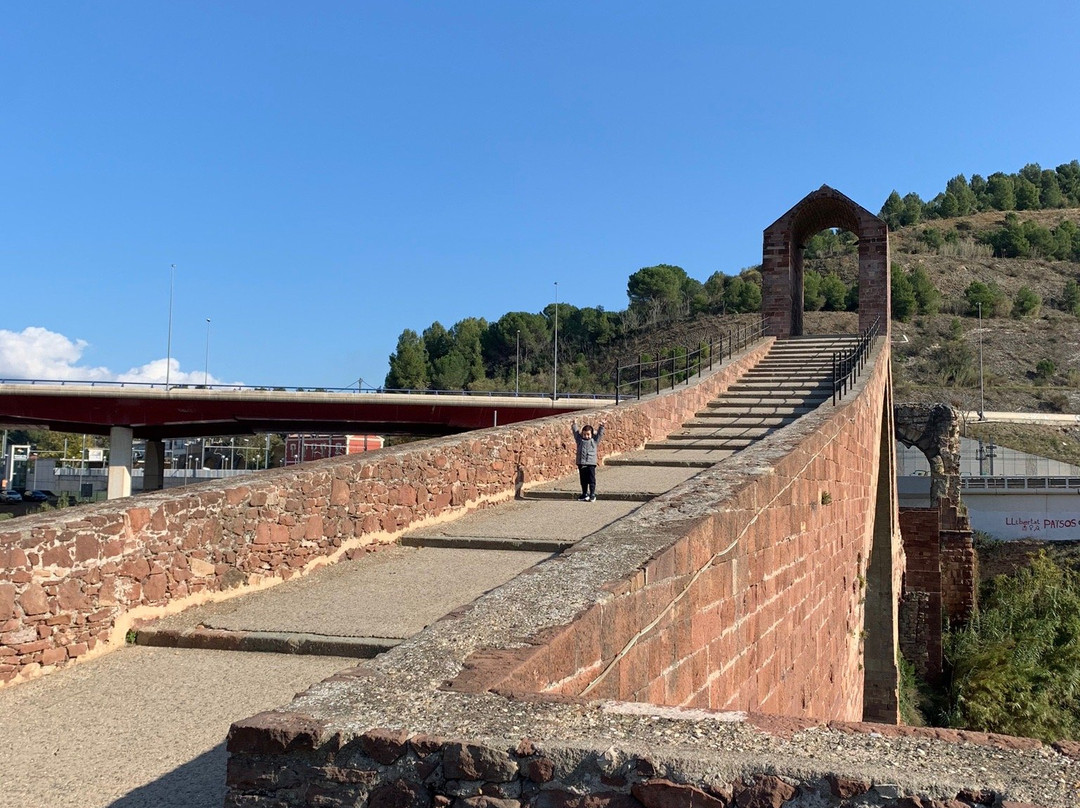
{"x": 158, "y": 711}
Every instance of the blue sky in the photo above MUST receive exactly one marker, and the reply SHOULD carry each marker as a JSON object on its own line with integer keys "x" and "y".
{"x": 324, "y": 175}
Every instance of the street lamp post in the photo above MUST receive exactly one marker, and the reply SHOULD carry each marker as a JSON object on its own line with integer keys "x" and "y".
{"x": 206, "y": 366}
{"x": 555, "y": 379}
{"x": 982, "y": 394}
{"x": 517, "y": 360}
{"x": 168, "y": 344}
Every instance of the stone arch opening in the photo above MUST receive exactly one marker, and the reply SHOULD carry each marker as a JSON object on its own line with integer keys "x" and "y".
{"x": 782, "y": 261}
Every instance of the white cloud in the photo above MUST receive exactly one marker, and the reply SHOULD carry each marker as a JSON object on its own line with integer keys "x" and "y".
{"x": 37, "y": 353}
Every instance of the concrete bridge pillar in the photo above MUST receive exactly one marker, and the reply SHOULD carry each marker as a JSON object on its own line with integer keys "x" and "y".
{"x": 120, "y": 462}
{"x": 154, "y": 466}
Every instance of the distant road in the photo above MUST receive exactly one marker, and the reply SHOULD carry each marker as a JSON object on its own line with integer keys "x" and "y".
{"x": 1036, "y": 418}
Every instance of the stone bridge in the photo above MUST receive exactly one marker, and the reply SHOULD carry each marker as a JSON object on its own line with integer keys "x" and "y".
{"x": 720, "y": 646}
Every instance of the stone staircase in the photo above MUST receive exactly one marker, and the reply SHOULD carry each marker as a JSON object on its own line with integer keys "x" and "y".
{"x": 793, "y": 379}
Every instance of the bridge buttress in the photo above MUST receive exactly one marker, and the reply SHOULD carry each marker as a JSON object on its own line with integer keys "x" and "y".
{"x": 120, "y": 440}
{"x": 154, "y": 465}
{"x": 884, "y": 576}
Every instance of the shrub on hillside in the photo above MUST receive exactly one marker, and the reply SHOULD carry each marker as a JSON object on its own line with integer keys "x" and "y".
{"x": 1026, "y": 303}
{"x": 1070, "y": 298}
{"x": 988, "y": 296}
{"x": 1015, "y": 668}
{"x": 904, "y": 304}
{"x": 1045, "y": 370}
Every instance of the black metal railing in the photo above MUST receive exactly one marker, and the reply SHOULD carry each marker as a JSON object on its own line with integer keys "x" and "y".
{"x": 674, "y": 366}
{"x": 847, "y": 365}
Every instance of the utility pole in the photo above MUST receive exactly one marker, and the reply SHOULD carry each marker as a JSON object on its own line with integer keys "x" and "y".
{"x": 168, "y": 344}
{"x": 982, "y": 395}
{"x": 555, "y": 379}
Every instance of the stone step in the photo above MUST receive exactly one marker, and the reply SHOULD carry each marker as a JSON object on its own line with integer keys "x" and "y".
{"x": 734, "y": 421}
{"x": 671, "y": 458}
{"x": 610, "y": 496}
{"x": 341, "y": 609}
{"x": 272, "y": 642}
{"x": 699, "y": 443}
{"x": 697, "y": 432}
{"x": 792, "y": 406}
{"x": 744, "y": 390}
{"x": 757, "y": 402}
{"x": 489, "y": 543}
{"x": 794, "y": 366}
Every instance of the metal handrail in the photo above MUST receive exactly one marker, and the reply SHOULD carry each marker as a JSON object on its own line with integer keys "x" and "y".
{"x": 664, "y": 373}
{"x": 847, "y": 365}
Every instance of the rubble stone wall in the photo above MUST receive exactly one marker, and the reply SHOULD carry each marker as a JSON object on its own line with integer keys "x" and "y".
{"x": 74, "y": 580}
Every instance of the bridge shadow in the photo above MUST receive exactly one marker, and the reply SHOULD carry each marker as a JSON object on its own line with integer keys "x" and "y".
{"x": 199, "y": 783}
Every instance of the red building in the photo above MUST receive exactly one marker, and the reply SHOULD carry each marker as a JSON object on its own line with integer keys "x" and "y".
{"x": 303, "y": 448}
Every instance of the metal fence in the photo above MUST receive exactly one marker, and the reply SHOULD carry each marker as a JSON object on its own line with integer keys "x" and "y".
{"x": 847, "y": 365}
{"x": 674, "y": 366}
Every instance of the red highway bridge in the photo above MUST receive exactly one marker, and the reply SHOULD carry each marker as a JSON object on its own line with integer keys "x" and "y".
{"x": 154, "y": 412}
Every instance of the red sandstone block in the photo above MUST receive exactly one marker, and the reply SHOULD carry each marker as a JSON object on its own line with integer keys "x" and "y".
{"x": 70, "y": 596}
{"x": 53, "y": 656}
{"x": 7, "y": 601}
{"x": 34, "y": 600}
{"x": 31, "y": 647}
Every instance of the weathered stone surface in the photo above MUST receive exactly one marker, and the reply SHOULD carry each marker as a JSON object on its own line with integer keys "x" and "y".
{"x": 470, "y": 762}
{"x": 538, "y": 769}
{"x": 555, "y": 798}
{"x": 7, "y": 601}
{"x": 666, "y": 794}
{"x": 271, "y": 733}
{"x": 485, "y": 802}
{"x": 766, "y": 791}
{"x": 400, "y": 794}
{"x": 846, "y": 787}
{"x": 384, "y": 745}
{"x": 34, "y": 600}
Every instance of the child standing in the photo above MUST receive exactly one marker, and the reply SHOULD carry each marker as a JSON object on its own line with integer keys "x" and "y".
{"x": 587, "y": 458}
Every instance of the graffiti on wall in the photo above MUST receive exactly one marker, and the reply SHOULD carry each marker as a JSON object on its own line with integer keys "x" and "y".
{"x": 1021, "y": 525}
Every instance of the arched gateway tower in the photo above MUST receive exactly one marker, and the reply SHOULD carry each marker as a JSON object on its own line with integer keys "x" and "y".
{"x": 782, "y": 261}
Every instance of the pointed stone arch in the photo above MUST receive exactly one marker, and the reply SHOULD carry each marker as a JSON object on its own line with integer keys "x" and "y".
{"x": 782, "y": 261}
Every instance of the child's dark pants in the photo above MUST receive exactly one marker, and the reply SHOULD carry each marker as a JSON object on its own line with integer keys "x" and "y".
{"x": 587, "y": 475}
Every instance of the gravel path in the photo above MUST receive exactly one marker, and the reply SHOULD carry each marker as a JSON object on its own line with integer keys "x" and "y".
{"x": 141, "y": 727}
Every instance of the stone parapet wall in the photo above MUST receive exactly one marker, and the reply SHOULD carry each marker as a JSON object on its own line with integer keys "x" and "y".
{"x": 661, "y": 766}
{"x": 73, "y": 581}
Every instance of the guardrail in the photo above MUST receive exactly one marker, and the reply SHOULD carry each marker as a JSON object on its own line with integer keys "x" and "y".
{"x": 278, "y": 389}
{"x": 1020, "y": 483}
{"x": 665, "y": 372}
{"x": 847, "y": 365}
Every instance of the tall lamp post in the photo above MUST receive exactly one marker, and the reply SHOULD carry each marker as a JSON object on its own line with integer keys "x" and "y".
{"x": 206, "y": 365}
{"x": 555, "y": 379}
{"x": 517, "y": 360}
{"x": 168, "y": 344}
{"x": 982, "y": 394}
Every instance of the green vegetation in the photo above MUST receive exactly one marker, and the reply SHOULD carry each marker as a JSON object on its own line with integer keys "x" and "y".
{"x": 985, "y": 299}
{"x": 1015, "y": 668}
{"x": 517, "y": 349}
{"x": 1032, "y": 188}
{"x": 1026, "y": 303}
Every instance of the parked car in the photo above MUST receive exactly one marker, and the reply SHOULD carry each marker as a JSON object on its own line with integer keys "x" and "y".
{"x": 35, "y": 496}
{"x": 10, "y": 495}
